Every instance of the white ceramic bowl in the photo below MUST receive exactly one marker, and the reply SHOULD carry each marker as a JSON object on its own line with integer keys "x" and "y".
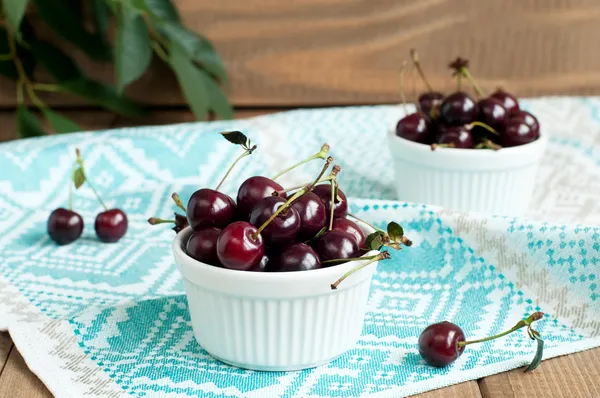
{"x": 276, "y": 321}
{"x": 496, "y": 182}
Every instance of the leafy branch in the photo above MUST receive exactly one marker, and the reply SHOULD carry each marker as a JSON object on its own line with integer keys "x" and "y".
{"x": 142, "y": 28}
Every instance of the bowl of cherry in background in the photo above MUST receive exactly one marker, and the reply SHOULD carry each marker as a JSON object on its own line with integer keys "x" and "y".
{"x": 277, "y": 278}
{"x": 466, "y": 151}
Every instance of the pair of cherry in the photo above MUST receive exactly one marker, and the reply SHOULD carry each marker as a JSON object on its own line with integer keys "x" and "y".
{"x": 459, "y": 121}
{"x": 65, "y": 226}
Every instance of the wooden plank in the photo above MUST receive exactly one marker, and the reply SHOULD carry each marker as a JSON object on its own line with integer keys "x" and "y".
{"x": 573, "y": 376}
{"x": 17, "y": 381}
{"x": 332, "y": 52}
{"x": 468, "y": 389}
{"x": 5, "y": 347}
{"x": 88, "y": 119}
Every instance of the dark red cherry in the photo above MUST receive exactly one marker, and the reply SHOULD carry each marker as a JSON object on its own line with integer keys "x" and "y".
{"x": 491, "y": 112}
{"x": 313, "y": 215}
{"x": 508, "y": 101}
{"x": 209, "y": 208}
{"x": 323, "y": 191}
{"x": 458, "y": 109}
{"x": 345, "y": 225}
{"x": 64, "y": 226}
{"x": 202, "y": 245}
{"x": 238, "y": 246}
{"x": 294, "y": 257}
{"x": 262, "y": 265}
{"x": 283, "y": 228}
{"x": 515, "y": 133}
{"x": 528, "y": 119}
{"x": 430, "y": 100}
{"x": 111, "y": 225}
{"x": 336, "y": 244}
{"x": 414, "y": 127}
{"x": 438, "y": 343}
{"x": 457, "y": 137}
{"x": 252, "y": 191}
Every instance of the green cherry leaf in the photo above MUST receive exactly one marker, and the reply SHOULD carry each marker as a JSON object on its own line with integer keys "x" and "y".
{"x": 14, "y": 11}
{"x": 78, "y": 177}
{"x": 395, "y": 231}
{"x": 539, "y": 352}
{"x": 238, "y": 138}
{"x": 28, "y": 125}
{"x": 374, "y": 241}
{"x": 60, "y": 123}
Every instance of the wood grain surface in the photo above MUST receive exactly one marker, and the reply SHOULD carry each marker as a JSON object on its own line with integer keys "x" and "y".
{"x": 322, "y": 52}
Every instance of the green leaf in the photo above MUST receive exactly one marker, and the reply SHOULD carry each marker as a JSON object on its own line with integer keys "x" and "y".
{"x": 197, "y": 48}
{"x": 59, "y": 123}
{"x": 104, "y": 95}
{"x": 61, "y": 66}
{"x": 537, "y": 359}
{"x": 161, "y": 9}
{"x": 78, "y": 177}
{"x": 101, "y": 14}
{"x": 218, "y": 101}
{"x": 132, "y": 48}
{"x": 395, "y": 231}
{"x": 237, "y": 137}
{"x": 374, "y": 241}
{"x": 14, "y": 11}
{"x": 190, "y": 80}
{"x": 65, "y": 22}
{"x": 28, "y": 125}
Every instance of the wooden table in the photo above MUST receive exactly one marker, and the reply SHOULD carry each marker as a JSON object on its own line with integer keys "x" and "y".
{"x": 576, "y": 375}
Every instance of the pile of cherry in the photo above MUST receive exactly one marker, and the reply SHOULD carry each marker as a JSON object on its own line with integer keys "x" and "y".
{"x": 458, "y": 120}
{"x": 65, "y": 226}
{"x": 272, "y": 229}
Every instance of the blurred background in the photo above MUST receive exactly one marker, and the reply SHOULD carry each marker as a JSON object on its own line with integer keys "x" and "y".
{"x": 278, "y": 55}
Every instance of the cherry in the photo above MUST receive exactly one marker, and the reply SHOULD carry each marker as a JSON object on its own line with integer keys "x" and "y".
{"x": 457, "y": 109}
{"x": 430, "y": 101}
{"x": 508, "y": 101}
{"x": 528, "y": 119}
{"x": 491, "y": 112}
{"x": 414, "y": 127}
{"x": 285, "y": 225}
{"x": 336, "y": 244}
{"x": 111, "y": 225}
{"x": 64, "y": 226}
{"x": 262, "y": 265}
{"x": 202, "y": 245}
{"x": 313, "y": 215}
{"x": 209, "y": 208}
{"x": 456, "y": 137}
{"x": 438, "y": 343}
{"x": 294, "y": 257}
{"x": 252, "y": 191}
{"x": 323, "y": 191}
{"x": 345, "y": 225}
{"x": 239, "y": 246}
{"x": 516, "y": 132}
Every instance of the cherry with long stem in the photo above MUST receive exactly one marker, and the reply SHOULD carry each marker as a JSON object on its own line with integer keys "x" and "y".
{"x": 536, "y": 316}
{"x": 322, "y": 154}
{"x": 384, "y": 255}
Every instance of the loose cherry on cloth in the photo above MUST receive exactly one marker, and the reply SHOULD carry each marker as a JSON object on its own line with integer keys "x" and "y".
{"x": 442, "y": 343}
{"x": 64, "y": 226}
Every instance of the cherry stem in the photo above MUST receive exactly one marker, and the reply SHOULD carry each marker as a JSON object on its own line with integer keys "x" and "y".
{"x": 155, "y": 221}
{"x": 70, "y": 195}
{"x": 328, "y": 162}
{"x": 281, "y": 208}
{"x": 369, "y": 224}
{"x": 465, "y": 72}
{"x": 414, "y": 56}
{"x": 328, "y": 178}
{"x": 459, "y": 81}
{"x": 401, "y": 82}
{"x": 322, "y": 154}
{"x": 80, "y": 162}
{"x": 384, "y": 255}
{"x": 243, "y": 155}
{"x": 485, "y": 126}
{"x": 522, "y": 323}
{"x": 332, "y": 210}
{"x": 343, "y": 260}
{"x": 178, "y": 202}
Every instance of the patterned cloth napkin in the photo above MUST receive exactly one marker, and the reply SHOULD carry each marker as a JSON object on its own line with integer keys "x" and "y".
{"x": 110, "y": 320}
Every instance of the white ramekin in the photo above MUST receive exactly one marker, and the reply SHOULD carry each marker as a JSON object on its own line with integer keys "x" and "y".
{"x": 277, "y": 321}
{"x": 496, "y": 182}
